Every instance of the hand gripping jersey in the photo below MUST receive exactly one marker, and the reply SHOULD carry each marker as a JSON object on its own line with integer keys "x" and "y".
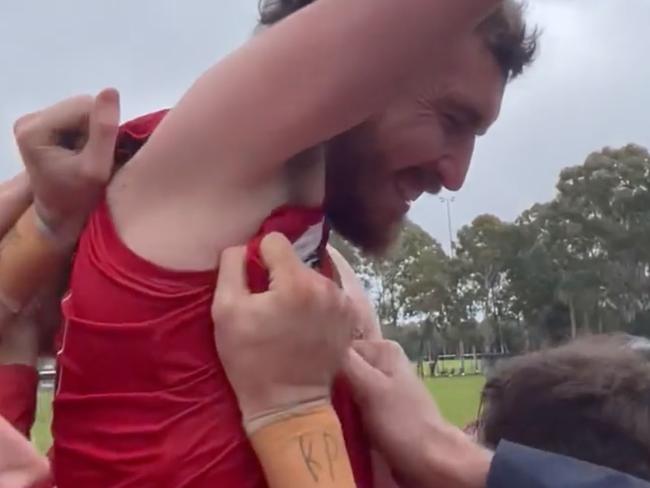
{"x": 142, "y": 400}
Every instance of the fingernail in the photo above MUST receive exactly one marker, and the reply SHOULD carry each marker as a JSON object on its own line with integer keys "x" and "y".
{"x": 109, "y": 95}
{"x": 108, "y": 107}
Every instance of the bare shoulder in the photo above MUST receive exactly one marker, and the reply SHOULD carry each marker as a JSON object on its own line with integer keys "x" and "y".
{"x": 369, "y": 328}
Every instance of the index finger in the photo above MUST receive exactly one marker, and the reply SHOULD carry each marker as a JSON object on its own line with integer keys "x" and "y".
{"x": 384, "y": 355}
{"x": 103, "y": 127}
{"x": 362, "y": 376}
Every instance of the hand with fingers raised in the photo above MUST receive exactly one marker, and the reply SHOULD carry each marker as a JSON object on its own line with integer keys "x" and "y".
{"x": 68, "y": 152}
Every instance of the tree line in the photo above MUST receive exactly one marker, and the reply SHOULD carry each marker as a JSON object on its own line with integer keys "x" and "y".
{"x": 575, "y": 265}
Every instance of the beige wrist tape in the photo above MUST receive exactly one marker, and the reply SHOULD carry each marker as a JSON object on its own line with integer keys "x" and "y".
{"x": 28, "y": 259}
{"x": 305, "y": 449}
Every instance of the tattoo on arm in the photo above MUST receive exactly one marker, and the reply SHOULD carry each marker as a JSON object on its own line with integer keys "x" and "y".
{"x": 331, "y": 452}
{"x": 306, "y": 449}
{"x": 319, "y": 449}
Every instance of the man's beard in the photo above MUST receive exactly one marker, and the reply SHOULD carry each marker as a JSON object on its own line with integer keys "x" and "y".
{"x": 351, "y": 198}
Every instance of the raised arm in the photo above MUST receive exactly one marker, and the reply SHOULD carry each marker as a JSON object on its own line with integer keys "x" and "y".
{"x": 67, "y": 177}
{"x": 315, "y": 74}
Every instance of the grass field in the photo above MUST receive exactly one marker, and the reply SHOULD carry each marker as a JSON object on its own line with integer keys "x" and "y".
{"x": 457, "y": 397}
{"x": 41, "y": 429}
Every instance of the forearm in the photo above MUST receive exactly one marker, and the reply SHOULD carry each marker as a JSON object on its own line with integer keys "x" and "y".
{"x": 304, "y": 449}
{"x": 15, "y": 198}
{"x": 19, "y": 342}
{"x": 29, "y": 258}
{"x": 319, "y": 72}
{"x": 452, "y": 459}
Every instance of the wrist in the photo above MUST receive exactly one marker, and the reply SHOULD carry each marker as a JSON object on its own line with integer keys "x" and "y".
{"x": 62, "y": 236}
{"x": 264, "y": 399}
{"x": 255, "y": 423}
{"x": 259, "y": 418}
{"x": 304, "y": 449}
{"x": 454, "y": 460}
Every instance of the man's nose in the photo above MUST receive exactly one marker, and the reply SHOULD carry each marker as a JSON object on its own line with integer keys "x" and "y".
{"x": 454, "y": 167}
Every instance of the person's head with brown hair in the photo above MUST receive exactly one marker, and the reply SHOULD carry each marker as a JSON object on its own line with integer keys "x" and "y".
{"x": 504, "y": 32}
{"x": 589, "y": 399}
{"x": 423, "y": 140}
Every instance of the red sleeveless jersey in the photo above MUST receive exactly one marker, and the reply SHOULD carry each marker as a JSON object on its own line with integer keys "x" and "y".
{"x": 142, "y": 400}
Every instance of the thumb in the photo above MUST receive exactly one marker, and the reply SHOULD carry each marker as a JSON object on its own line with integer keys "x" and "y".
{"x": 279, "y": 257}
{"x": 363, "y": 377}
{"x": 102, "y": 134}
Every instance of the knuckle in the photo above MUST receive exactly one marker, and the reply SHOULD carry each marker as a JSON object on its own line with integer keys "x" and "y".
{"x": 351, "y": 310}
{"x": 86, "y": 101}
{"x": 330, "y": 288}
{"x": 301, "y": 297}
{"x": 230, "y": 254}
{"x": 341, "y": 302}
{"x": 107, "y": 130}
{"x": 301, "y": 290}
{"x": 323, "y": 295}
{"x": 24, "y": 128}
{"x": 80, "y": 104}
{"x": 224, "y": 308}
{"x": 325, "y": 288}
{"x": 93, "y": 174}
{"x": 393, "y": 348}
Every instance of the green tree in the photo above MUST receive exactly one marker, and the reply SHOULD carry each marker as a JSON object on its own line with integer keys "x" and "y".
{"x": 484, "y": 252}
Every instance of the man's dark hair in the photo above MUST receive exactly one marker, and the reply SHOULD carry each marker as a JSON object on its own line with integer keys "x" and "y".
{"x": 589, "y": 399}
{"x": 272, "y": 11}
{"x": 504, "y": 31}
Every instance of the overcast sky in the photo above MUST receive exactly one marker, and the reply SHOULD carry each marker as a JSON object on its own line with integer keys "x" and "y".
{"x": 589, "y": 88}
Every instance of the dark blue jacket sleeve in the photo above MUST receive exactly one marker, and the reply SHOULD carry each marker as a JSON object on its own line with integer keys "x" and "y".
{"x": 517, "y": 466}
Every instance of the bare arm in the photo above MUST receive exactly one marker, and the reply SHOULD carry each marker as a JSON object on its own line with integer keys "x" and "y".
{"x": 36, "y": 244}
{"x": 317, "y": 73}
{"x": 15, "y": 197}
{"x": 369, "y": 330}
{"x": 19, "y": 341}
